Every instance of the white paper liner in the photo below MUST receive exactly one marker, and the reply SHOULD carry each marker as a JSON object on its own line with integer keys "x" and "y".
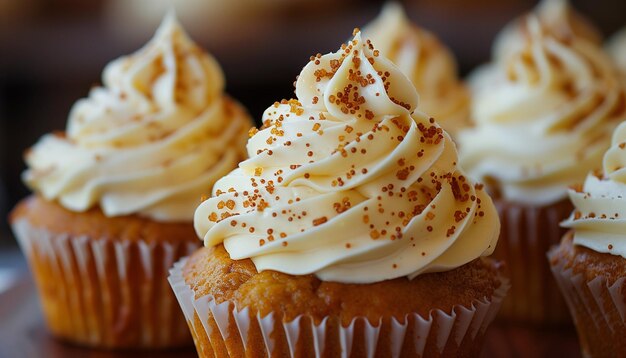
{"x": 526, "y": 235}
{"x": 598, "y": 309}
{"x": 441, "y": 331}
{"x": 106, "y": 293}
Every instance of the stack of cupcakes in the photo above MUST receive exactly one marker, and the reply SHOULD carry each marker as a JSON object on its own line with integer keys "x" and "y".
{"x": 544, "y": 111}
{"x": 350, "y": 229}
{"x": 116, "y": 193}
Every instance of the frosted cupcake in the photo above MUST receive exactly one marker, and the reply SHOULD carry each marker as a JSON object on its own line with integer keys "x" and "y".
{"x": 542, "y": 121}
{"x": 349, "y": 229}
{"x": 426, "y": 62}
{"x": 115, "y": 194}
{"x": 590, "y": 262}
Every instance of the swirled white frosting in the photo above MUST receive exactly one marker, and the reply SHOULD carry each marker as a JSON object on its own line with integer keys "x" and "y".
{"x": 426, "y": 62}
{"x": 599, "y": 217}
{"x": 350, "y": 182}
{"x": 151, "y": 141}
{"x": 556, "y": 16}
{"x": 546, "y": 118}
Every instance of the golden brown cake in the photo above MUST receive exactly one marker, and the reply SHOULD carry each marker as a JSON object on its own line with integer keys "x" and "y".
{"x": 58, "y": 220}
{"x": 587, "y": 263}
{"x": 114, "y": 194}
{"x": 350, "y": 229}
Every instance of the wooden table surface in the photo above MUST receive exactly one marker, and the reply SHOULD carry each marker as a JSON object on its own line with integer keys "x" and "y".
{"x": 22, "y": 334}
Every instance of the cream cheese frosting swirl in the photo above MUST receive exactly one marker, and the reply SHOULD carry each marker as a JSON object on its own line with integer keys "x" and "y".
{"x": 426, "y": 62}
{"x": 350, "y": 182}
{"x": 556, "y": 16}
{"x": 546, "y": 120}
{"x": 599, "y": 217}
{"x": 151, "y": 140}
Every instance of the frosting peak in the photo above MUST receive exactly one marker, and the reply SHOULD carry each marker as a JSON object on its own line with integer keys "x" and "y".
{"x": 426, "y": 62}
{"x": 148, "y": 94}
{"x": 545, "y": 118}
{"x": 557, "y": 17}
{"x": 151, "y": 140}
{"x": 349, "y": 182}
{"x": 599, "y": 217}
{"x": 362, "y": 89}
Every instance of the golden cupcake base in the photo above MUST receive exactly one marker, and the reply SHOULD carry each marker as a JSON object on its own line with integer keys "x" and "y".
{"x": 99, "y": 290}
{"x": 593, "y": 285}
{"x": 231, "y": 309}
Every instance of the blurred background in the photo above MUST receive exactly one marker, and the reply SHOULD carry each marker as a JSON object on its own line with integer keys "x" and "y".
{"x": 52, "y": 52}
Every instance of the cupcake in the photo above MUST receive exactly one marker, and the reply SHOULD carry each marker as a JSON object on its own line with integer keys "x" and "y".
{"x": 590, "y": 263}
{"x": 543, "y": 118}
{"x": 349, "y": 229}
{"x": 115, "y": 193}
{"x": 426, "y": 62}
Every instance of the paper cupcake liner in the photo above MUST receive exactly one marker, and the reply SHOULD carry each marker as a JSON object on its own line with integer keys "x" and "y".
{"x": 105, "y": 293}
{"x": 223, "y": 330}
{"x": 598, "y": 309}
{"x": 526, "y": 235}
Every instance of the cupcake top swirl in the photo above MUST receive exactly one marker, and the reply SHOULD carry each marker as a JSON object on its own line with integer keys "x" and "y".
{"x": 599, "y": 217}
{"x": 150, "y": 141}
{"x": 349, "y": 182}
{"x": 426, "y": 62}
{"x": 546, "y": 118}
{"x": 557, "y": 16}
